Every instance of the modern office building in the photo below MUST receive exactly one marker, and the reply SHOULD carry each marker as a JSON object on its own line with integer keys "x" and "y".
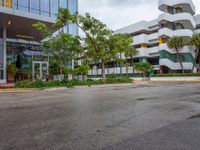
{"x": 18, "y": 38}
{"x": 178, "y": 18}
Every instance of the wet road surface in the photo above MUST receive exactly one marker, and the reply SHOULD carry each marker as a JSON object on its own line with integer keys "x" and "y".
{"x": 104, "y": 117}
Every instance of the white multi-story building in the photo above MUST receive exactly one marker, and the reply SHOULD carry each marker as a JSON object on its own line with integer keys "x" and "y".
{"x": 150, "y": 38}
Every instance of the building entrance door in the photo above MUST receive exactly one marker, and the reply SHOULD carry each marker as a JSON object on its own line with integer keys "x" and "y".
{"x": 40, "y": 70}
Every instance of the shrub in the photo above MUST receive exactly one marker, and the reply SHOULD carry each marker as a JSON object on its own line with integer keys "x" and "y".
{"x": 12, "y": 70}
{"x": 177, "y": 75}
{"x": 70, "y": 84}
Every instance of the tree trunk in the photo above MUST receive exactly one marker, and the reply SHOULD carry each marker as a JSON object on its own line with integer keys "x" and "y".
{"x": 60, "y": 70}
{"x": 198, "y": 58}
{"x": 126, "y": 67}
{"x": 127, "y": 70}
{"x": 180, "y": 60}
{"x": 199, "y": 65}
{"x": 120, "y": 64}
{"x": 132, "y": 64}
{"x": 103, "y": 71}
{"x": 113, "y": 66}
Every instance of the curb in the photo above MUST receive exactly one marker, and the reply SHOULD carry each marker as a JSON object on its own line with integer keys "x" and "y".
{"x": 15, "y": 90}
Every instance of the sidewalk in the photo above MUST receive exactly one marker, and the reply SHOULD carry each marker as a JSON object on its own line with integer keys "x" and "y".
{"x": 15, "y": 90}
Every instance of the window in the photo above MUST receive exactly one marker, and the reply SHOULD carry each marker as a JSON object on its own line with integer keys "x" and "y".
{"x": 73, "y": 29}
{"x": 6, "y": 3}
{"x": 15, "y": 5}
{"x": 44, "y": 7}
{"x": 1, "y": 2}
{"x": 63, "y": 3}
{"x": 23, "y": 5}
{"x": 72, "y": 5}
{"x": 35, "y": 6}
{"x": 54, "y": 8}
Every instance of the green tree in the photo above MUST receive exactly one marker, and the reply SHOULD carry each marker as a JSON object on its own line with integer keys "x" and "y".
{"x": 97, "y": 37}
{"x": 130, "y": 52}
{"x": 195, "y": 41}
{"x": 63, "y": 47}
{"x": 96, "y": 40}
{"x": 143, "y": 67}
{"x": 121, "y": 44}
{"x": 177, "y": 43}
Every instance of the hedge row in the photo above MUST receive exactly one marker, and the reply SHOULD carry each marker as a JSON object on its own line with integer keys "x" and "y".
{"x": 69, "y": 84}
{"x": 177, "y": 75}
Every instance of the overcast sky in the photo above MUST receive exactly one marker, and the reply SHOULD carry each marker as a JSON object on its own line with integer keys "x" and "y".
{"x": 120, "y": 13}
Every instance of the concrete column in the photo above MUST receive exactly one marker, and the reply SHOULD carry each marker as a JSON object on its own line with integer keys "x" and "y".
{"x": 4, "y": 54}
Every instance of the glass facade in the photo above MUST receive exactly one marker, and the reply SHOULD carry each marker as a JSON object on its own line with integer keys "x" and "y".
{"x": 48, "y": 8}
{"x": 63, "y": 3}
{"x": 28, "y": 53}
{"x": 54, "y": 8}
{"x": 35, "y": 6}
{"x": 73, "y": 6}
{"x": 23, "y": 5}
{"x": 43, "y": 7}
{"x": 6, "y": 3}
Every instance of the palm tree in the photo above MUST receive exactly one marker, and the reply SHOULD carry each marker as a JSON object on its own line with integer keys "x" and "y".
{"x": 177, "y": 43}
{"x": 144, "y": 68}
{"x": 195, "y": 41}
{"x": 130, "y": 53}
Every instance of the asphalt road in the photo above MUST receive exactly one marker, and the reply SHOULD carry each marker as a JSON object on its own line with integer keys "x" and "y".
{"x": 127, "y": 117}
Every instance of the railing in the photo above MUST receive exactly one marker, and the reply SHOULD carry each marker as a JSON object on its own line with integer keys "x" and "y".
{"x": 116, "y": 71}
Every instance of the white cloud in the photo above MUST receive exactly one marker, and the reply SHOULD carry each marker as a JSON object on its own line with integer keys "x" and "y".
{"x": 120, "y": 13}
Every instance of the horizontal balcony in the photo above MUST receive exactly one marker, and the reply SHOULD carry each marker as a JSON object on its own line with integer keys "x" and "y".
{"x": 197, "y": 31}
{"x": 148, "y": 52}
{"x": 186, "y": 19}
{"x": 170, "y": 33}
{"x": 185, "y": 49}
{"x": 146, "y": 39}
{"x": 186, "y": 5}
{"x": 185, "y": 57}
{"x": 176, "y": 65}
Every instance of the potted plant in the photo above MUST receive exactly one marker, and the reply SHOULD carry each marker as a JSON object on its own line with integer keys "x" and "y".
{"x": 12, "y": 71}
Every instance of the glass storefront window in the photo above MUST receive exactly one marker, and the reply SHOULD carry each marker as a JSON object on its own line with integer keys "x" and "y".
{"x": 54, "y": 8}
{"x": 35, "y": 6}
{"x": 45, "y": 7}
{"x": 23, "y": 5}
